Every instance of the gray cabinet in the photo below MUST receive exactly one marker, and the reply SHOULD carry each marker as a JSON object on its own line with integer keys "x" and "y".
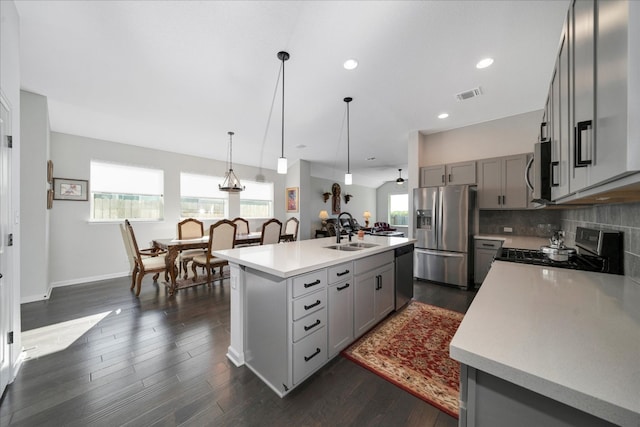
{"x": 449, "y": 174}
{"x": 340, "y": 307}
{"x": 501, "y": 183}
{"x": 590, "y": 117}
{"x": 374, "y": 291}
{"x": 484, "y": 253}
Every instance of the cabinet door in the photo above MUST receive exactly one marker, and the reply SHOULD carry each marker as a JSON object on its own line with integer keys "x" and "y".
{"x": 340, "y": 316}
{"x": 583, "y": 85}
{"x": 364, "y": 314}
{"x": 432, "y": 176}
{"x": 489, "y": 183}
{"x": 385, "y": 294}
{"x": 482, "y": 264}
{"x": 514, "y": 194}
{"x": 461, "y": 173}
{"x": 562, "y": 125}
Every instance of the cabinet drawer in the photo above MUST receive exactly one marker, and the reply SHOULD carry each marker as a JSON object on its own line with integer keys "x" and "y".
{"x": 340, "y": 272}
{"x": 309, "y": 324}
{"x": 310, "y": 282}
{"x": 310, "y": 303}
{"x": 309, "y": 354}
{"x": 488, "y": 244}
{"x": 374, "y": 261}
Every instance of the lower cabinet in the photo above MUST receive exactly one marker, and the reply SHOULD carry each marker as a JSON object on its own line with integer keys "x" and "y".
{"x": 294, "y": 326}
{"x": 374, "y": 291}
{"x": 484, "y": 253}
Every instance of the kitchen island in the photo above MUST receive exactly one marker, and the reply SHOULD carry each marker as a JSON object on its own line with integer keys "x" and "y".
{"x": 295, "y": 305}
{"x": 548, "y": 346}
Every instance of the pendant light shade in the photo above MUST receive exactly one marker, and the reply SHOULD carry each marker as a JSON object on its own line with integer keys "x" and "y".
{"x": 231, "y": 182}
{"x": 348, "y": 178}
{"x": 282, "y": 161}
{"x": 400, "y": 181}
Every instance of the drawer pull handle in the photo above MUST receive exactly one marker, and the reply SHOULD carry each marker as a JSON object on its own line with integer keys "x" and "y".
{"x": 306, "y": 328}
{"x": 307, "y": 307}
{"x": 343, "y": 273}
{"x": 489, "y": 245}
{"x": 317, "y": 352}
{"x": 342, "y": 288}
{"x": 308, "y": 285}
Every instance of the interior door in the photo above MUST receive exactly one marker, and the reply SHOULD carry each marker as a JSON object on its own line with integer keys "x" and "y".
{"x": 6, "y": 310}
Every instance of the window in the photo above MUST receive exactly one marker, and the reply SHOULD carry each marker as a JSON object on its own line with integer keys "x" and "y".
{"x": 119, "y": 192}
{"x": 256, "y": 201}
{"x": 398, "y": 209}
{"x": 200, "y": 197}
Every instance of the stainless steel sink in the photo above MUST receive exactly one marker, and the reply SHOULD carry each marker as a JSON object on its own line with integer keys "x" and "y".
{"x": 344, "y": 248}
{"x": 362, "y": 245}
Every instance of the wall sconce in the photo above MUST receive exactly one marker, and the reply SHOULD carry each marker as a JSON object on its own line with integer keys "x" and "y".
{"x": 323, "y": 216}
{"x": 347, "y": 197}
{"x": 325, "y": 196}
{"x": 366, "y": 216}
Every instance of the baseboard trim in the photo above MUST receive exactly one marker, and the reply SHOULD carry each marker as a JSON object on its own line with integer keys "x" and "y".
{"x": 77, "y": 281}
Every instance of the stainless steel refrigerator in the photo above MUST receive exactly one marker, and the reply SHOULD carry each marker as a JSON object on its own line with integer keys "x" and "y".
{"x": 446, "y": 218}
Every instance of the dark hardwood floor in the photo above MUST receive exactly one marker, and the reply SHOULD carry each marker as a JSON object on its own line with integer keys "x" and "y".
{"x": 159, "y": 360}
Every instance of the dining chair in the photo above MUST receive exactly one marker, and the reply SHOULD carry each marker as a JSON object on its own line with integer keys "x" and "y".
{"x": 271, "y": 231}
{"x": 242, "y": 225}
{"x": 222, "y": 235}
{"x": 189, "y": 228}
{"x": 151, "y": 260}
{"x": 291, "y": 228}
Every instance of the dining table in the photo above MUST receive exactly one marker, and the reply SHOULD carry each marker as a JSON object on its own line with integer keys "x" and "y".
{"x": 175, "y": 246}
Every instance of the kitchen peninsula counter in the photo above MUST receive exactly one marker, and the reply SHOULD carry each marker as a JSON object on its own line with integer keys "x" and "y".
{"x": 295, "y": 305}
{"x": 571, "y": 336}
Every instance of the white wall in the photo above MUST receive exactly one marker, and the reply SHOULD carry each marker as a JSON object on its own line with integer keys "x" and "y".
{"x": 83, "y": 251}
{"x": 299, "y": 175}
{"x": 10, "y": 88}
{"x": 33, "y": 182}
{"x": 364, "y": 199}
{"x": 502, "y": 137}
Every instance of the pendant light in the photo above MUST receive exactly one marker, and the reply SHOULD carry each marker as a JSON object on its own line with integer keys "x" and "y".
{"x": 282, "y": 161}
{"x": 231, "y": 182}
{"x": 348, "y": 178}
{"x": 400, "y": 181}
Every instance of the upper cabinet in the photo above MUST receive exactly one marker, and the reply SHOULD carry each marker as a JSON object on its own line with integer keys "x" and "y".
{"x": 450, "y": 174}
{"x": 501, "y": 183}
{"x": 593, "y": 99}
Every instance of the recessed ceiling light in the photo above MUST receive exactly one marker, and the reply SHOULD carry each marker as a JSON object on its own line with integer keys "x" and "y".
{"x": 443, "y": 116}
{"x": 350, "y": 64}
{"x": 484, "y": 63}
{"x": 301, "y": 146}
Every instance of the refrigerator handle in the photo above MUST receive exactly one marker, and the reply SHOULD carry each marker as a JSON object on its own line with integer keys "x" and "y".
{"x": 440, "y": 253}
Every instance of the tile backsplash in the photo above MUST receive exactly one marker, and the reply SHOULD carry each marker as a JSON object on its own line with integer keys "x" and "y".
{"x": 624, "y": 217}
{"x": 539, "y": 222}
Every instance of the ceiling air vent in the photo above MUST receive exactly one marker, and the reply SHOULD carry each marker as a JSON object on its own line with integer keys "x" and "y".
{"x": 469, "y": 94}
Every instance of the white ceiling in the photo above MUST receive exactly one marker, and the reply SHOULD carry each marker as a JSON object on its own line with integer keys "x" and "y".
{"x": 178, "y": 75}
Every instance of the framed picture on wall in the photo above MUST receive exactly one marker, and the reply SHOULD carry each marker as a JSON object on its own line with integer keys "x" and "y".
{"x": 292, "y": 199}
{"x": 70, "y": 189}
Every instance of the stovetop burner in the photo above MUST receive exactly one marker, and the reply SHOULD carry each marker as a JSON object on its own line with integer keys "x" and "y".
{"x": 535, "y": 257}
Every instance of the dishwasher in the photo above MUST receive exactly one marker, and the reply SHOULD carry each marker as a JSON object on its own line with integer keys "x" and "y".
{"x": 403, "y": 275}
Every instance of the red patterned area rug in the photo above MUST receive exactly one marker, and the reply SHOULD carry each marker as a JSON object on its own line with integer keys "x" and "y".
{"x": 411, "y": 350}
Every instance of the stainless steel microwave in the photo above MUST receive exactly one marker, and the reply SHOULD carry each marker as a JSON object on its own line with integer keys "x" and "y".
{"x": 541, "y": 165}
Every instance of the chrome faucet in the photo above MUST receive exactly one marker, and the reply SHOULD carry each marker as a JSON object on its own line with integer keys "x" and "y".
{"x": 339, "y": 226}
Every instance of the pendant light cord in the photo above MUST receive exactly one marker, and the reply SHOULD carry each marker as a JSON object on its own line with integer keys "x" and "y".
{"x": 348, "y": 142}
{"x": 283, "y": 59}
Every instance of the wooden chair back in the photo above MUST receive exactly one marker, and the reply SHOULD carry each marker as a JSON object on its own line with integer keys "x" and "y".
{"x": 271, "y": 231}
{"x": 128, "y": 245}
{"x": 222, "y": 235}
{"x": 291, "y": 227}
{"x": 190, "y": 228}
{"x": 135, "y": 250}
{"x": 242, "y": 225}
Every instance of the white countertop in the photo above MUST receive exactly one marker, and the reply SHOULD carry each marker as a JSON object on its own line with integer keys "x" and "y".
{"x": 302, "y": 256}
{"x": 570, "y": 335}
{"x": 517, "y": 242}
